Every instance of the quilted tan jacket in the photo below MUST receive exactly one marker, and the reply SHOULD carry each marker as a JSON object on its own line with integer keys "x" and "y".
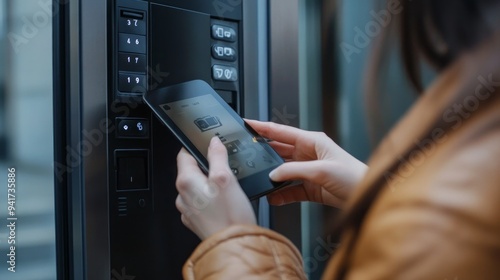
{"x": 428, "y": 208}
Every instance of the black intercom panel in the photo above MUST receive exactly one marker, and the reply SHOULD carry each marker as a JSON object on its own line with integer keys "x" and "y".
{"x": 155, "y": 44}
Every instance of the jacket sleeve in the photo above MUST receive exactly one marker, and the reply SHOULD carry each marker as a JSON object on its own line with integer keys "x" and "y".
{"x": 244, "y": 252}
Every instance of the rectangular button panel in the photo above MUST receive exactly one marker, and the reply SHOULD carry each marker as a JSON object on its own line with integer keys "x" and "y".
{"x": 132, "y": 22}
{"x": 132, "y": 128}
{"x": 131, "y": 43}
{"x": 129, "y": 146}
{"x": 223, "y": 53}
{"x": 132, "y": 62}
{"x": 225, "y": 59}
{"x": 131, "y": 82}
{"x": 224, "y": 73}
{"x": 224, "y": 33}
{"x": 131, "y": 47}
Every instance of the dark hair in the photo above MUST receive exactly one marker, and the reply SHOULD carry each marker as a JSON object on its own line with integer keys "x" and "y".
{"x": 433, "y": 31}
{"x": 438, "y": 31}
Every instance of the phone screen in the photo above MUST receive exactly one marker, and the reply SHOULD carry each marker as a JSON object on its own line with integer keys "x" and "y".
{"x": 202, "y": 117}
{"x": 195, "y": 113}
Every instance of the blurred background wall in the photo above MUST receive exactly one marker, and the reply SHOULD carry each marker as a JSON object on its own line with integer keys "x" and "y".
{"x": 26, "y": 135}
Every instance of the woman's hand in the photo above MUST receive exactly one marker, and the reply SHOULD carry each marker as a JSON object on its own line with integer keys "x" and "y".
{"x": 328, "y": 173}
{"x": 210, "y": 204}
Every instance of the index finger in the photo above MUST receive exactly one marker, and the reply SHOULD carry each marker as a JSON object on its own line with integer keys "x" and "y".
{"x": 278, "y": 132}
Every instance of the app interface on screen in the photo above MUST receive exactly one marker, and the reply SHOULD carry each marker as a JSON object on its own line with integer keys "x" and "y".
{"x": 201, "y": 118}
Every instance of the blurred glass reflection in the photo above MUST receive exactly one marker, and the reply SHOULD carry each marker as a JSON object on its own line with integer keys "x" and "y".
{"x": 26, "y": 136}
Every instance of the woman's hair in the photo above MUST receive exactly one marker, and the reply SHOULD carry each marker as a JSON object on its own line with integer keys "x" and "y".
{"x": 432, "y": 31}
{"x": 440, "y": 31}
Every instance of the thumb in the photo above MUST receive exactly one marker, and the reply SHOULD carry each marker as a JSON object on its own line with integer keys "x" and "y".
{"x": 312, "y": 171}
{"x": 217, "y": 155}
{"x": 219, "y": 173}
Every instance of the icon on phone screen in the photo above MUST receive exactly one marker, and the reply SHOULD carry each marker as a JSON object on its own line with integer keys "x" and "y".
{"x": 207, "y": 122}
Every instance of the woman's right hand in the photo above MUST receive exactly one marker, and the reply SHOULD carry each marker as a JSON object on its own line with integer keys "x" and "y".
{"x": 327, "y": 172}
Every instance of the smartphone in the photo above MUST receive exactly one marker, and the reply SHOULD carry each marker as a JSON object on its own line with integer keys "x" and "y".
{"x": 195, "y": 113}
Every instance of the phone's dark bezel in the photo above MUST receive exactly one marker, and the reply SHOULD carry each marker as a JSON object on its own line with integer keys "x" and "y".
{"x": 255, "y": 185}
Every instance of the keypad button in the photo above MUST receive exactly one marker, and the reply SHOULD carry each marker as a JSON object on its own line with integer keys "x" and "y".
{"x": 133, "y": 83}
{"x": 131, "y": 25}
{"x": 132, "y": 128}
{"x": 132, "y": 43}
{"x": 223, "y": 53}
{"x": 132, "y": 62}
{"x": 224, "y": 73}
{"x": 220, "y": 32}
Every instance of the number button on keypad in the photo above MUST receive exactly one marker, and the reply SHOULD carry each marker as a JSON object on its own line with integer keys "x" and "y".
{"x": 133, "y": 83}
{"x": 132, "y": 62}
{"x": 132, "y": 43}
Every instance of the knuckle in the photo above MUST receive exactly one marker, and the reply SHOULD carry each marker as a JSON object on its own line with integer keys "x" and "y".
{"x": 267, "y": 129}
{"x": 182, "y": 182}
{"x": 320, "y": 135}
{"x": 321, "y": 173}
{"x": 272, "y": 126}
{"x": 221, "y": 178}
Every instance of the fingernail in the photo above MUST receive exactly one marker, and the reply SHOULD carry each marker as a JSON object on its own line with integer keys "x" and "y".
{"x": 214, "y": 139}
{"x": 272, "y": 175}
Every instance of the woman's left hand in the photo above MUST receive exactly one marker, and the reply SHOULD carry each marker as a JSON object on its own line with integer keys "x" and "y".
{"x": 210, "y": 204}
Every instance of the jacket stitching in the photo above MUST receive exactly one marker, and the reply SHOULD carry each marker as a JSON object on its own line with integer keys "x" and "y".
{"x": 276, "y": 259}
